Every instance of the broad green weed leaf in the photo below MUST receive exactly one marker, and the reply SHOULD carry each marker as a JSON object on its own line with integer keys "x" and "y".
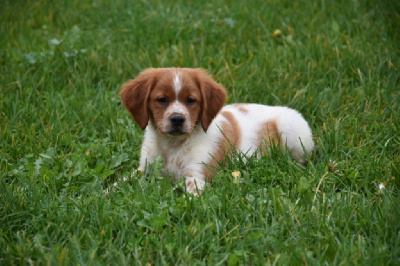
{"x": 304, "y": 185}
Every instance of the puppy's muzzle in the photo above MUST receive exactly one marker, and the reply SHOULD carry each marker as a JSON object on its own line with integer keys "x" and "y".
{"x": 177, "y": 124}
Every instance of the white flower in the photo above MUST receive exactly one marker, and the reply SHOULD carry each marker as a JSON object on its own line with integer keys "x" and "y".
{"x": 230, "y": 22}
{"x": 54, "y": 41}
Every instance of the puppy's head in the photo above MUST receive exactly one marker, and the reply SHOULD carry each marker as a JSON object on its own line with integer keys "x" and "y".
{"x": 173, "y": 99}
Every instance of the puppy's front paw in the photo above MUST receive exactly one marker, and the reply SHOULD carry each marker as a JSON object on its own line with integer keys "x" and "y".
{"x": 194, "y": 185}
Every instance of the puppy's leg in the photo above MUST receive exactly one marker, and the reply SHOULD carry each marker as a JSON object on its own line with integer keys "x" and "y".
{"x": 148, "y": 152}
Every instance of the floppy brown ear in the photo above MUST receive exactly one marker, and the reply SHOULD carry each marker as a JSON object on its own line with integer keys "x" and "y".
{"x": 135, "y": 94}
{"x": 213, "y": 98}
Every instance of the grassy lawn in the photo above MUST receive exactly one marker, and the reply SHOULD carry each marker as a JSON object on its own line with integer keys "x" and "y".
{"x": 65, "y": 137}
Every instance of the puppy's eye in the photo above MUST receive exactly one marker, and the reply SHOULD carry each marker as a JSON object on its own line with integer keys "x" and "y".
{"x": 190, "y": 101}
{"x": 162, "y": 100}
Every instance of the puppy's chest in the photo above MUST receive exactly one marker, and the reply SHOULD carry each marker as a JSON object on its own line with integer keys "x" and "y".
{"x": 182, "y": 160}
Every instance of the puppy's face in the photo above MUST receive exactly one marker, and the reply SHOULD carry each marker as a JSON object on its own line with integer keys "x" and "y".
{"x": 175, "y": 103}
{"x": 173, "y": 99}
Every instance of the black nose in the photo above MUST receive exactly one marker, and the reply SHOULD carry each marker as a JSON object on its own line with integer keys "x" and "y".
{"x": 177, "y": 120}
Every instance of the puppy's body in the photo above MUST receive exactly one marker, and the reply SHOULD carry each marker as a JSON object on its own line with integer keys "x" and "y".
{"x": 180, "y": 110}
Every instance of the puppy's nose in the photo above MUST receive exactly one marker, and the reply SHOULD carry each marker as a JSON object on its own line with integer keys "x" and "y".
{"x": 177, "y": 120}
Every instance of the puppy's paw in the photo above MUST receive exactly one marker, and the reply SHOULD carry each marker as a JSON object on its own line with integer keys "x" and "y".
{"x": 194, "y": 185}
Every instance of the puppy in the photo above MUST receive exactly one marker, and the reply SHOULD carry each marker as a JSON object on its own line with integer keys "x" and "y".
{"x": 182, "y": 112}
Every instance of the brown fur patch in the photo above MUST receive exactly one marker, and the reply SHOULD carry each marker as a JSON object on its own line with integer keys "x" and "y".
{"x": 268, "y": 133}
{"x": 241, "y": 107}
{"x": 213, "y": 96}
{"x": 231, "y": 138}
{"x": 135, "y": 94}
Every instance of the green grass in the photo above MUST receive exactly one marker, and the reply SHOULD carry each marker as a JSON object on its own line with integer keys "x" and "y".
{"x": 65, "y": 137}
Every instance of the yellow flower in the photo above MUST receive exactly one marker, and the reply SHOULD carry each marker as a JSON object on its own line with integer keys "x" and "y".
{"x": 236, "y": 174}
{"x": 277, "y": 33}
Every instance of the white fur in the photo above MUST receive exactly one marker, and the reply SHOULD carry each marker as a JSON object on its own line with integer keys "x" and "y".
{"x": 185, "y": 155}
{"x": 293, "y": 128}
{"x": 177, "y": 83}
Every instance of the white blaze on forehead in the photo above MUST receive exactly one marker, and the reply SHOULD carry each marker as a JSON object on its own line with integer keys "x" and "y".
{"x": 177, "y": 83}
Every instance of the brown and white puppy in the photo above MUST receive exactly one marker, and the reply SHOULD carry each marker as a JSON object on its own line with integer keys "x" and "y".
{"x": 185, "y": 121}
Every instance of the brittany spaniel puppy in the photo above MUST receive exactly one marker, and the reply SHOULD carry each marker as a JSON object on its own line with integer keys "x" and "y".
{"x": 182, "y": 111}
